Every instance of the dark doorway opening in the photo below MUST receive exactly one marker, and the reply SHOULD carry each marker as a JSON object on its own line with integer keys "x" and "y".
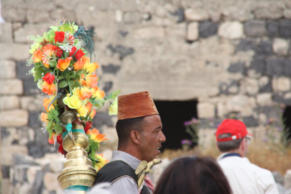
{"x": 287, "y": 124}
{"x": 173, "y": 115}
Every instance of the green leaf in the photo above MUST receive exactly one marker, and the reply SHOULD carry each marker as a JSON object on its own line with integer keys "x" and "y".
{"x": 63, "y": 84}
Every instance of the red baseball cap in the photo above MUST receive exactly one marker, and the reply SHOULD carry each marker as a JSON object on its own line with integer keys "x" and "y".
{"x": 231, "y": 129}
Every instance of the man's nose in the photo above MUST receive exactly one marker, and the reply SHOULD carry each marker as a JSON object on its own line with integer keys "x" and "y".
{"x": 162, "y": 137}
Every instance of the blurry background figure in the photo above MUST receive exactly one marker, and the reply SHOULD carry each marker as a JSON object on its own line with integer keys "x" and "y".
{"x": 193, "y": 175}
{"x": 243, "y": 176}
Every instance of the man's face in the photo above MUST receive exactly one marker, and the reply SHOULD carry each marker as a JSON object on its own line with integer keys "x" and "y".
{"x": 152, "y": 137}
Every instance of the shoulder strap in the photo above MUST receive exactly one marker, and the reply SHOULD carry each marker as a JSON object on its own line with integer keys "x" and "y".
{"x": 114, "y": 170}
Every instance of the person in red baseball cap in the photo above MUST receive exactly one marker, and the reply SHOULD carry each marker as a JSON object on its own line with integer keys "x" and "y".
{"x": 244, "y": 177}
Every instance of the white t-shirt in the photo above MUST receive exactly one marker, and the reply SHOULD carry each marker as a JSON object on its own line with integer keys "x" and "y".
{"x": 245, "y": 177}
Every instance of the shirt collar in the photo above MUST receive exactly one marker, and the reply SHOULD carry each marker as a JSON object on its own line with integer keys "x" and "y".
{"x": 132, "y": 161}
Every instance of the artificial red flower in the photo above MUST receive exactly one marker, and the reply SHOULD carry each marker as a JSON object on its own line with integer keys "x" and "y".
{"x": 79, "y": 54}
{"x": 88, "y": 126}
{"x": 71, "y": 39}
{"x": 49, "y": 78}
{"x": 59, "y": 52}
{"x": 61, "y": 150}
{"x": 59, "y": 36}
{"x": 59, "y": 139}
{"x": 73, "y": 50}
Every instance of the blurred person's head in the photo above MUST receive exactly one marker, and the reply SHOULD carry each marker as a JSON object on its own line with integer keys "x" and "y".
{"x": 193, "y": 175}
{"x": 232, "y": 136}
{"x": 139, "y": 126}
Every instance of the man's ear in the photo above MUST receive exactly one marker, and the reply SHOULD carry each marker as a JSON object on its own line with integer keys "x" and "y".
{"x": 135, "y": 136}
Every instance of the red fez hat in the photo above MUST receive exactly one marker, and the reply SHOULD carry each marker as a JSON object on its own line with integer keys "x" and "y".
{"x": 136, "y": 105}
{"x": 231, "y": 129}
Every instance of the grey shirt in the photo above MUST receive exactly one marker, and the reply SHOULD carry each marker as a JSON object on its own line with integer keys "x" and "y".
{"x": 124, "y": 184}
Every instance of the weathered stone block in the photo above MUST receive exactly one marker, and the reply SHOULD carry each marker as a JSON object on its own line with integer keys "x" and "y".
{"x": 285, "y": 28}
{"x": 272, "y": 28}
{"x": 30, "y": 87}
{"x": 255, "y": 28}
{"x": 264, "y": 99}
{"x": 11, "y": 86}
{"x": 102, "y": 118}
{"x": 9, "y": 102}
{"x": 206, "y": 110}
{"x": 258, "y": 64}
{"x": 264, "y": 48}
{"x": 251, "y": 86}
{"x": 34, "y": 120}
{"x": 268, "y": 12}
{"x": 192, "y": 31}
{"x": 51, "y": 181}
{"x": 280, "y": 46}
{"x": 32, "y": 103}
{"x": 287, "y": 13}
{"x": 14, "y": 51}
{"x": 207, "y": 29}
{"x": 5, "y": 32}
{"x": 8, "y": 152}
{"x": 281, "y": 84}
{"x": 31, "y": 173}
{"x": 121, "y": 50}
{"x": 13, "y": 118}
{"x": 250, "y": 121}
{"x": 14, "y": 14}
{"x": 149, "y": 32}
{"x": 7, "y": 69}
{"x": 131, "y": 17}
{"x": 36, "y": 16}
{"x": 23, "y": 35}
{"x": 275, "y": 66}
{"x": 241, "y": 104}
{"x": 196, "y": 15}
{"x": 238, "y": 67}
{"x": 231, "y": 30}
{"x": 287, "y": 69}
{"x": 64, "y": 14}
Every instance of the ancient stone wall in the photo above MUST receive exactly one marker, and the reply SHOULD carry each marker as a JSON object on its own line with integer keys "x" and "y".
{"x": 232, "y": 56}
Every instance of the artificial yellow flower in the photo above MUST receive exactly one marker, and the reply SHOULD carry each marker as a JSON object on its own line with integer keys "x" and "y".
{"x": 73, "y": 102}
{"x": 101, "y": 162}
{"x": 113, "y": 108}
{"x": 91, "y": 67}
{"x": 98, "y": 94}
{"x": 83, "y": 111}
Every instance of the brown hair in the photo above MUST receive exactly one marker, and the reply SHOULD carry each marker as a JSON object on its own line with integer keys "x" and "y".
{"x": 193, "y": 175}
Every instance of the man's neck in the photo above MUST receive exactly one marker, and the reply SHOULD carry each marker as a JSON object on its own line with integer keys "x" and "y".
{"x": 129, "y": 150}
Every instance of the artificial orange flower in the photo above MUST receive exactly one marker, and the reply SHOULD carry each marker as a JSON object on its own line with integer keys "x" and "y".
{"x": 44, "y": 117}
{"x": 63, "y": 64}
{"x": 46, "y": 102}
{"x": 49, "y": 89}
{"x": 51, "y": 139}
{"x": 81, "y": 62}
{"x": 96, "y": 135}
{"x": 92, "y": 114}
{"x": 37, "y": 56}
{"x": 48, "y": 51}
{"x": 83, "y": 93}
{"x": 90, "y": 81}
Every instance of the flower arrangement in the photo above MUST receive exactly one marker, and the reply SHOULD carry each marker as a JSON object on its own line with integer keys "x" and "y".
{"x": 63, "y": 70}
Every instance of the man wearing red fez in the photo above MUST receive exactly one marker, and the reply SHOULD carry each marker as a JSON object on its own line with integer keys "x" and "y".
{"x": 139, "y": 130}
{"x": 244, "y": 177}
